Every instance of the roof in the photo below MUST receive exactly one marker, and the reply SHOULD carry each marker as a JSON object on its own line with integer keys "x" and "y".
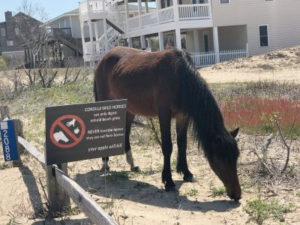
{"x": 21, "y": 14}
{"x": 74, "y": 12}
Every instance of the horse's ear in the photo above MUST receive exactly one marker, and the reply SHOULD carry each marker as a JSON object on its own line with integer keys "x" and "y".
{"x": 235, "y": 132}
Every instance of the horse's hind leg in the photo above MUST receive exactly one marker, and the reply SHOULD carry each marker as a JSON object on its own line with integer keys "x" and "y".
{"x": 129, "y": 158}
{"x": 165, "y": 128}
{"x": 182, "y": 166}
{"x": 105, "y": 166}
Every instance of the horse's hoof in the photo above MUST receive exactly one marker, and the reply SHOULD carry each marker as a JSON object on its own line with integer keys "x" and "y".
{"x": 136, "y": 169}
{"x": 188, "y": 178}
{"x": 170, "y": 188}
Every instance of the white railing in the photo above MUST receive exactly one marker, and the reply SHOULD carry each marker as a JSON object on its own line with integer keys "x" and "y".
{"x": 83, "y": 8}
{"x": 227, "y": 55}
{"x": 89, "y": 48}
{"x": 202, "y": 59}
{"x": 149, "y": 19}
{"x": 133, "y": 23}
{"x": 166, "y": 15}
{"x": 95, "y": 5}
{"x": 91, "y": 6}
{"x": 194, "y": 11}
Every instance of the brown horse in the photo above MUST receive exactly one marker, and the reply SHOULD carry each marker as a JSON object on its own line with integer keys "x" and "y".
{"x": 166, "y": 84}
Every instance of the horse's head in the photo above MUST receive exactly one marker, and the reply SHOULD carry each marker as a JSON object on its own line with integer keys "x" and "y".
{"x": 223, "y": 157}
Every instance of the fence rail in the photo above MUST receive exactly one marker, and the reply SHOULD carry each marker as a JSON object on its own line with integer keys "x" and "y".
{"x": 32, "y": 150}
{"x": 79, "y": 196}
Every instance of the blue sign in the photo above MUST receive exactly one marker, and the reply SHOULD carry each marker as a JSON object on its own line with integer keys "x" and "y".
{"x": 9, "y": 140}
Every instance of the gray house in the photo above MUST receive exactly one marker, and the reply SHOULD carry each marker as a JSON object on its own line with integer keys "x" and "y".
{"x": 15, "y": 32}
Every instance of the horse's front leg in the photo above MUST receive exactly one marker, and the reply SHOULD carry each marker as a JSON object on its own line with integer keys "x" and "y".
{"x": 182, "y": 166}
{"x": 165, "y": 128}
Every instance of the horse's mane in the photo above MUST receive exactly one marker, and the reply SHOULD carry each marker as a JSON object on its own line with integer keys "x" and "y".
{"x": 200, "y": 105}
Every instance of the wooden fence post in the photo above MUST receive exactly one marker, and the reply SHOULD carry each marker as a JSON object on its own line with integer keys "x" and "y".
{"x": 4, "y": 112}
{"x": 58, "y": 199}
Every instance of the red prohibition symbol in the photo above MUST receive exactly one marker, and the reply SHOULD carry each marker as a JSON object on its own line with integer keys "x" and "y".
{"x": 64, "y": 128}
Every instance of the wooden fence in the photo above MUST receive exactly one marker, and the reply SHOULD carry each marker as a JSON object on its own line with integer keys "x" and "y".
{"x": 59, "y": 186}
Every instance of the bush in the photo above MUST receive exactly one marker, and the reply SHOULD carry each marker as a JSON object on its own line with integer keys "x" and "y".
{"x": 258, "y": 114}
{"x": 260, "y": 210}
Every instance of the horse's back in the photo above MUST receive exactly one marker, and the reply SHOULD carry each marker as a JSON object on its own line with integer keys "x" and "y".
{"x": 146, "y": 79}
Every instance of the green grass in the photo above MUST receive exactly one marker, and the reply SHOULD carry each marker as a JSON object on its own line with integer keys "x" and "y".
{"x": 219, "y": 191}
{"x": 260, "y": 210}
{"x": 30, "y": 105}
{"x": 192, "y": 192}
{"x": 115, "y": 177}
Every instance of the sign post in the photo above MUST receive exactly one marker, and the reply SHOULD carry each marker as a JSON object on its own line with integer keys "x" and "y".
{"x": 78, "y": 132}
{"x": 9, "y": 140}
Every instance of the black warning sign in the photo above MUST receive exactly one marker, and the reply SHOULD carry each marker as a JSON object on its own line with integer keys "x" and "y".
{"x": 84, "y": 131}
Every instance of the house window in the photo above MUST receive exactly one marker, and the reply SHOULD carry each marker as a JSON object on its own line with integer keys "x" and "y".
{"x": 10, "y": 43}
{"x": 224, "y": 1}
{"x": 3, "y": 32}
{"x": 263, "y": 36}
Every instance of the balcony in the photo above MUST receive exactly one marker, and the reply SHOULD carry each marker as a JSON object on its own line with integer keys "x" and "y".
{"x": 91, "y": 9}
{"x": 186, "y": 12}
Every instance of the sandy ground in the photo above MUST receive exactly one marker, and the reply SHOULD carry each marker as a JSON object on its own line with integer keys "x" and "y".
{"x": 213, "y": 76}
{"x": 140, "y": 199}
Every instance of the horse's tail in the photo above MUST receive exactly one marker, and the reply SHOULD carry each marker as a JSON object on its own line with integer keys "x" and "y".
{"x": 197, "y": 101}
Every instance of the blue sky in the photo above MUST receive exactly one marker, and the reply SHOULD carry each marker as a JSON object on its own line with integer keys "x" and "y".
{"x": 52, "y": 8}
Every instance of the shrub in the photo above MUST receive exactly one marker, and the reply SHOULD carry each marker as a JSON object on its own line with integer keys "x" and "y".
{"x": 258, "y": 114}
{"x": 192, "y": 192}
{"x": 220, "y": 191}
{"x": 260, "y": 210}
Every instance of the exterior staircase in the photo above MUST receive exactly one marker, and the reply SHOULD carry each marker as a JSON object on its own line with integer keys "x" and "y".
{"x": 113, "y": 37}
{"x": 65, "y": 37}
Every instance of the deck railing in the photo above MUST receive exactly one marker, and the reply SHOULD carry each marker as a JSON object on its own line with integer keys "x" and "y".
{"x": 202, "y": 59}
{"x": 166, "y": 15}
{"x": 133, "y": 23}
{"x": 95, "y": 5}
{"x": 154, "y": 17}
{"x": 195, "y": 11}
{"x": 149, "y": 19}
{"x": 227, "y": 55}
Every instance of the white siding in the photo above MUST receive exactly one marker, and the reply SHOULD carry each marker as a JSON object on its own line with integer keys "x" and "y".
{"x": 281, "y": 16}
